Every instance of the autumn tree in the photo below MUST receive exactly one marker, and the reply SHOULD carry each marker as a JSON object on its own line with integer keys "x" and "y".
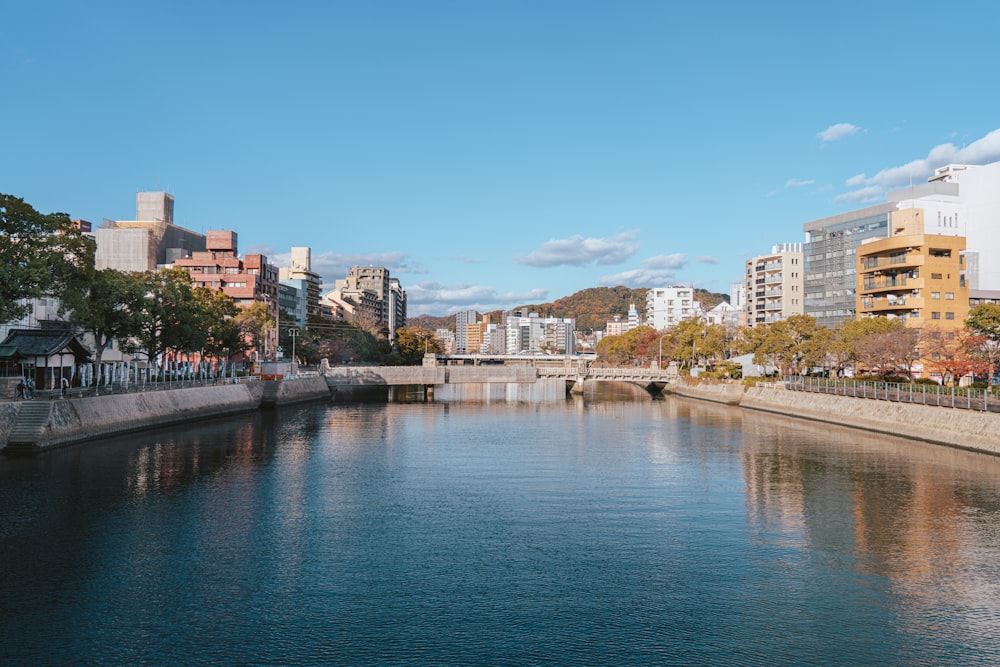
{"x": 254, "y": 322}
{"x": 40, "y": 255}
{"x": 983, "y": 323}
{"x": 413, "y": 342}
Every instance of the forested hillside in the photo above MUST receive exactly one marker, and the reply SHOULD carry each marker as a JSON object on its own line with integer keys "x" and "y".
{"x": 592, "y": 307}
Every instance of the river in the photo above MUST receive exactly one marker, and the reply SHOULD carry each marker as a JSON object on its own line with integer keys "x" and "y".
{"x": 502, "y": 530}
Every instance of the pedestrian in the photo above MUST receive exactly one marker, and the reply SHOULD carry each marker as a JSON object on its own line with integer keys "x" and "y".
{"x": 29, "y": 387}
{"x": 20, "y": 388}
{"x": 65, "y": 385}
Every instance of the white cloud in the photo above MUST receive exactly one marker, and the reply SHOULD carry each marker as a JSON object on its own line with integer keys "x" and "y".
{"x": 639, "y": 278}
{"x": 675, "y": 260}
{"x": 798, "y": 183}
{"x": 333, "y": 266}
{"x": 981, "y": 151}
{"x": 431, "y": 297}
{"x": 706, "y": 259}
{"x": 578, "y": 251}
{"x": 865, "y": 195}
{"x": 838, "y": 132}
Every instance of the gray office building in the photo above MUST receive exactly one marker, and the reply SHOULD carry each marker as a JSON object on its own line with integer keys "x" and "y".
{"x": 829, "y": 260}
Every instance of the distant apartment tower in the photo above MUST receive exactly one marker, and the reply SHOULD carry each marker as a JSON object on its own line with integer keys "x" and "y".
{"x": 148, "y": 242}
{"x": 370, "y": 298}
{"x": 301, "y": 276}
{"x": 397, "y": 307}
{"x": 463, "y": 319}
{"x": 667, "y": 306}
{"x": 775, "y": 285}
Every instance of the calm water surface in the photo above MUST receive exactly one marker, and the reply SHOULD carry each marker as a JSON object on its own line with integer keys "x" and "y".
{"x": 502, "y": 531}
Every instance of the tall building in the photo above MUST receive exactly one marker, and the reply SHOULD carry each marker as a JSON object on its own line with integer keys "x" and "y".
{"x": 775, "y": 285}
{"x": 667, "y": 306}
{"x": 148, "y": 242}
{"x": 370, "y": 297}
{"x": 462, "y": 321}
{"x": 829, "y": 259}
{"x": 301, "y": 276}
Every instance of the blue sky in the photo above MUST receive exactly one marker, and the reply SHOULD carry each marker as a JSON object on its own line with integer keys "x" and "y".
{"x": 495, "y": 153}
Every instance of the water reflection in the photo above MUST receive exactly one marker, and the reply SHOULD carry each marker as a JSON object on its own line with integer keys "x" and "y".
{"x": 605, "y": 528}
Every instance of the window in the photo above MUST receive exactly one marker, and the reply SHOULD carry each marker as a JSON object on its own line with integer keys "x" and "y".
{"x": 935, "y": 276}
{"x": 935, "y": 316}
{"x": 950, "y": 296}
{"x": 935, "y": 295}
{"x": 949, "y": 316}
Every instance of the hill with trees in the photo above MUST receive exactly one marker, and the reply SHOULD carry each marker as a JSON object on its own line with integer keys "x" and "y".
{"x": 592, "y": 307}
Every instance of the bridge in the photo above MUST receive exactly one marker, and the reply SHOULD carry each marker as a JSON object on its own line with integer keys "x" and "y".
{"x": 451, "y": 369}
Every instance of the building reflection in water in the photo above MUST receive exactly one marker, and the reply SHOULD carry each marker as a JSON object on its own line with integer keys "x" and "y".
{"x": 916, "y": 514}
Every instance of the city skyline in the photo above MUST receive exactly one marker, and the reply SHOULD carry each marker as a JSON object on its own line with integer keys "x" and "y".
{"x": 493, "y": 156}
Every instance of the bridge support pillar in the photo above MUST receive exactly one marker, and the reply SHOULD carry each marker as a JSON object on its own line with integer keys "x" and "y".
{"x": 577, "y": 387}
{"x": 428, "y": 393}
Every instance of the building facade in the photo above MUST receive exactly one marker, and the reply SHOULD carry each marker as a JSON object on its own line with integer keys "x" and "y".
{"x": 147, "y": 243}
{"x": 775, "y": 285}
{"x": 667, "y": 306}
{"x": 829, "y": 261}
{"x": 916, "y": 278}
{"x": 301, "y": 276}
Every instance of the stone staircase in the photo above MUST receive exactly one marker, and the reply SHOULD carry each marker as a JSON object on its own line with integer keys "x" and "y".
{"x": 28, "y": 425}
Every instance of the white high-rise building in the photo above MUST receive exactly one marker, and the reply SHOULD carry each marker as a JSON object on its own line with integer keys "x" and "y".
{"x": 667, "y": 306}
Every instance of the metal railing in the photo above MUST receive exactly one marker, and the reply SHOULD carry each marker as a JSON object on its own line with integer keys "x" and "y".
{"x": 965, "y": 398}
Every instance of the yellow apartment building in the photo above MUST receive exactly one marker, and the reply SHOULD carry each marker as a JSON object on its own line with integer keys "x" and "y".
{"x": 915, "y": 277}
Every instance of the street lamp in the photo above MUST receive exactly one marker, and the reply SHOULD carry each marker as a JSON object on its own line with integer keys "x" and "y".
{"x": 294, "y": 333}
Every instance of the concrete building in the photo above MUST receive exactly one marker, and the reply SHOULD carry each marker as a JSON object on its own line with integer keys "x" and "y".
{"x": 666, "y": 306}
{"x": 775, "y": 285}
{"x": 829, "y": 261}
{"x": 958, "y": 200}
{"x": 148, "y": 242}
{"x": 534, "y": 334}
{"x": 370, "y": 298}
{"x": 914, "y": 277}
{"x": 245, "y": 280}
{"x": 301, "y": 276}
{"x": 726, "y": 314}
{"x": 462, "y": 321}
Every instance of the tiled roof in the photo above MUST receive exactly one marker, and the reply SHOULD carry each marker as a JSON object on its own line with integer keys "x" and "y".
{"x": 40, "y": 343}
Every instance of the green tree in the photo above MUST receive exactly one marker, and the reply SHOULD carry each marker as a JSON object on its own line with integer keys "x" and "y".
{"x": 413, "y": 342}
{"x": 793, "y": 345}
{"x": 170, "y": 314}
{"x": 110, "y": 306}
{"x": 218, "y": 313}
{"x": 39, "y": 255}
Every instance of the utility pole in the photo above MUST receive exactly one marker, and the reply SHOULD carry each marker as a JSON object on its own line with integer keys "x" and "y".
{"x": 293, "y": 332}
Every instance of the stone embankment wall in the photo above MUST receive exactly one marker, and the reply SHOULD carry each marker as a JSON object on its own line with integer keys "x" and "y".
{"x": 730, "y": 394}
{"x": 80, "y": 419}
{"x": 77, "y": 420}
{"x": 298, "y": 390}
{"x": 967, "y": 429}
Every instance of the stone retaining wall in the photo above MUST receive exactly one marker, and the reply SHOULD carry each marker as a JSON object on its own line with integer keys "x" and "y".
{"x": 730, "y": 394}
{"x": 80, "y": 419}
{"x": 300, "y": 390}
{"x": 967, "y": 429}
